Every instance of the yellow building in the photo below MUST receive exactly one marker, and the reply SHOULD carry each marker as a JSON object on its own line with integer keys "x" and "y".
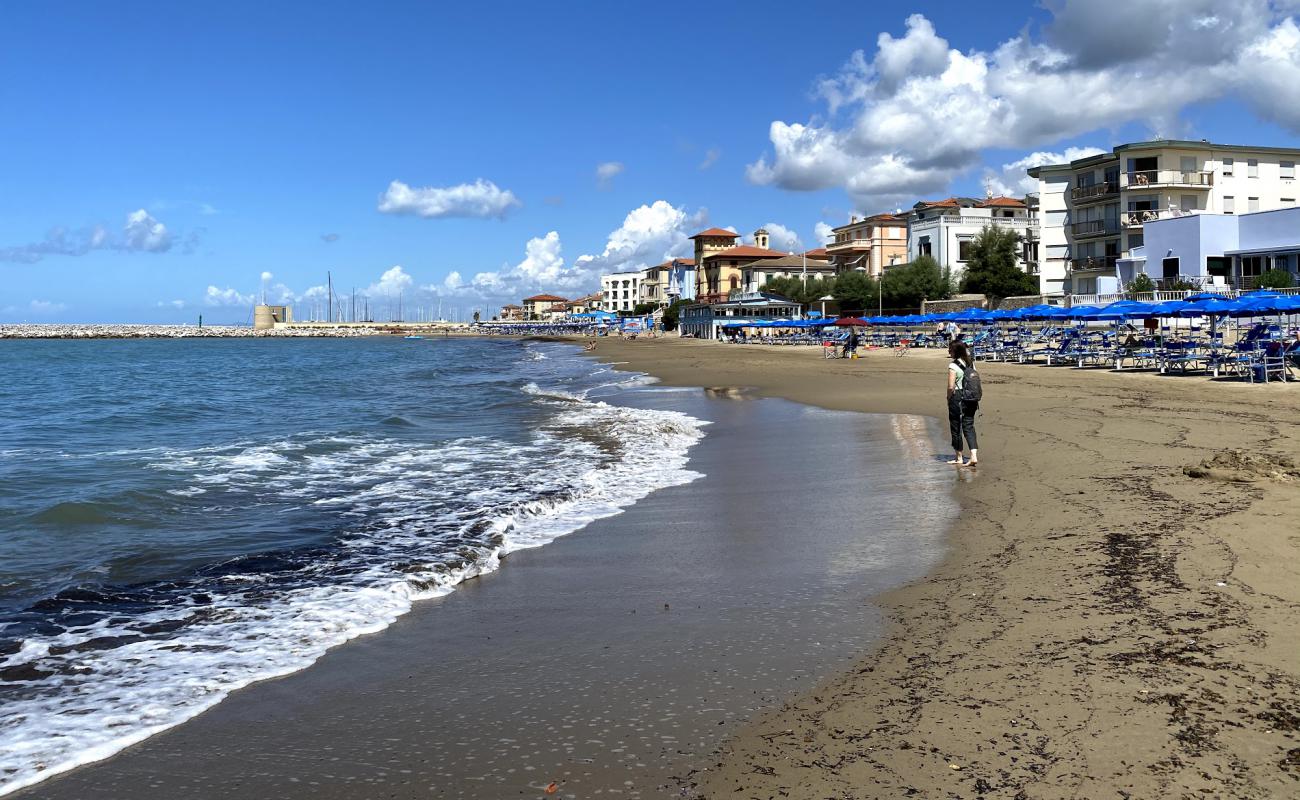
{"x": 869, "y": 245}
{"x": 720, "y": 270}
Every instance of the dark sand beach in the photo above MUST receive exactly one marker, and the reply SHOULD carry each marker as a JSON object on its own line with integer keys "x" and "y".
{"x": 613, "y": 662}
{"x": 1118, "y": 614}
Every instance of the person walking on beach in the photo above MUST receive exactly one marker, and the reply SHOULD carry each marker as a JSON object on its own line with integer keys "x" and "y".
{"x": 964, "y": 395}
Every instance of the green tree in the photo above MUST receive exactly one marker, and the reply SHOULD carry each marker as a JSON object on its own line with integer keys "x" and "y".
{"x": 796, "y": 288}
{"x": 642, "y": 309}
{"x": 673, "y": 313}
{"x": 991, "y": 266}
{"x": 1142, "y": 283}
{"x": 476, "y": 316}
{"x": 855, "y": 291}
{"x": 907, "y": 285}
{"x": 1274, "y": 279}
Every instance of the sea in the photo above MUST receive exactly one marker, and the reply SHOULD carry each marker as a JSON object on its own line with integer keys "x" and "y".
{"x": 180, "y": 518}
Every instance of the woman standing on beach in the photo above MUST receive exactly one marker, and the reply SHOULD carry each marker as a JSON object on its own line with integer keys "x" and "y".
{"x": 961, "y": 410}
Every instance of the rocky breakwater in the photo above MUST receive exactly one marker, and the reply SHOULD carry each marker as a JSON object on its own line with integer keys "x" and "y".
{"x": 164, "y": 331}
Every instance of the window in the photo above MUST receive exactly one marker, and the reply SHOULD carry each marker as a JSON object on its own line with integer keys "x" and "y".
{"x": 1187, "y": 202}
{"x": 1169, "y": 267}
{"x": 1187, "y": 163}
{"x": 1229, "y": 204}
{"x": 963, "y": 250}
{"x": 1136, "y": 240}
{"x": 1252, "y": 266}
{"x": 1288, "y": 169}
{"x": 1252, "y": 203}
{"x": 1252, "y": 168}
{"x": 1227, "y": 167}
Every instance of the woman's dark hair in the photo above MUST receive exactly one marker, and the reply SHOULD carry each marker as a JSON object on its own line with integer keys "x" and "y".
{"x": 958, "y": 350}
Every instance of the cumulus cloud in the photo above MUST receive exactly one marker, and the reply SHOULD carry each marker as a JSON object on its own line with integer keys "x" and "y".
{"x": 45, "y": 307}
{"x": 226, "y": 297}
{"x": 824, "y": 233}
{"x": 478, "y": 199}
{"x": 649, "y": 234}
{"x": 393, "y": 282}
{"x": 782, "y": 238}
{"x": 607, "y": 171}
{"x": 711, "y": 157}
{"x": 1012, "y": 179}
{"x": 905, "y": 120}
{"x": 141, "y": 234}
{"x": 266, "y": 276}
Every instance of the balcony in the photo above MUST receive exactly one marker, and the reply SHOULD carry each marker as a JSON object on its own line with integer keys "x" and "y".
{"x": 1134, "y": 219}
{"x": 1093, "y": 264}
{"x": 851, "y": 244}
{"x": 1093, "y": 227}
{"x": 1091, "y": 194}
{"x": 1152, "y": 178}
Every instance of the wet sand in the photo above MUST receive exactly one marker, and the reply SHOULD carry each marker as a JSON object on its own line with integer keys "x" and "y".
{"x": 614, "y": 661}
{"x": 1112, "y": 620}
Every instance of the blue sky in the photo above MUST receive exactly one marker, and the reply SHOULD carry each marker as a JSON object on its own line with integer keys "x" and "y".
{"x": 260, "y": 137}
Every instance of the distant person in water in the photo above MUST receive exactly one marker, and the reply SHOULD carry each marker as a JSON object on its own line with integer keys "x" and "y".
{"x": 961, "y": 405}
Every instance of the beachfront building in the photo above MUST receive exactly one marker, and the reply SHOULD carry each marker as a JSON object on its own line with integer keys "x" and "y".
{"x": 720, "y": 271}
{"x": 755, "y": 275}
{"x": 1094, "y": 209}
{"x": 944, "y": 229}
{"x": 706, "y": 320}
{"x": 620, "y": 291}
{"x": 511, "y": 312}
{"x": 869, "y": 245}
{"x": 670, "y": 281}
{"x": 1216, "y": 250}
{"x": 539, "y": 305}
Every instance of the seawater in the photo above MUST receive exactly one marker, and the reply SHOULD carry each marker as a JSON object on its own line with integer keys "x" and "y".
{"x": 181, "y": 518}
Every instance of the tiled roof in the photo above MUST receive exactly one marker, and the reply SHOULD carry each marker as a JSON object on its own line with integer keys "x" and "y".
{"x": 544, "y": 298}
{"x": 746, "y": 251}
{"x": 1002, "y": 202}
{"x": 819, "y": 252}
{"x": 716, "y": 232}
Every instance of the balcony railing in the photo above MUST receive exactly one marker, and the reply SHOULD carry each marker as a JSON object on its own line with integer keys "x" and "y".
{"x": 1083, "y": 194}
{"x": 1167, "y": 177}
{"x": 1093, "y": 227}
{"x": 1102, "y": 263}
{"x": 1133, "y": 219}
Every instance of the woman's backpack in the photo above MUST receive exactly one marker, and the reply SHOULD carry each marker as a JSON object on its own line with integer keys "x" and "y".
{"x": 971, "y": 390}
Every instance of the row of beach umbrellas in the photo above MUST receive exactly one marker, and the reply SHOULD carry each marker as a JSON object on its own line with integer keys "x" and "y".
{"x": 1254, "y": 304}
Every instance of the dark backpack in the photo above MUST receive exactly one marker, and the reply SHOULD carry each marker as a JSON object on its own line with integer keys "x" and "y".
{"x": 971, "y": 389}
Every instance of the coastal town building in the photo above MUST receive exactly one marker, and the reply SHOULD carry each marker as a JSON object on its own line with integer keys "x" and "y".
{"x": 757, "y": 274}
{"x": 720, "y": 269}
{"x": 265, "y": 317}
{"x": 945, "y": 229}
{"x": 620, "y": 291}
{"x": 672, "y": 280}
{"x": 706, "y": 320}
{"x": 539, "y": 305}
{"x": 1094, "y": 209}
{"x": 511, "y": 312}
{"x": 1216, "y": 250}
{"x": 869, "y": 245}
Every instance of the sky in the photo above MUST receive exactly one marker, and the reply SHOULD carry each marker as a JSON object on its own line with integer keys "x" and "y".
{"x": 159, "y": 161}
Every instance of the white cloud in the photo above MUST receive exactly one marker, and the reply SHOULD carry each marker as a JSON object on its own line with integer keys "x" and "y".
{"x": 478, "y": 199}
{"x": 176, "y": 304}
{"x": 266, "y": 276}
{"x": 906, "y": 120}
{"x": 144, "y": 233}
{"x": 782, "y": 238}
{"x": 141, "y": 234}
{"x": 711, "y": 157}
{"x": 393, "y": 282}
{"x": 649, "y": 235}
{"x": 1013, "y": 179}
{"x": 824, "y": 233}
{"x": 226, "y": 297}
{"x": 607, "y": 171}
{"x": 45, "y": 307}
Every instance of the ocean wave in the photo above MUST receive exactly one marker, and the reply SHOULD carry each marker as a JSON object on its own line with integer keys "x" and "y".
{"x": 90, "y": 671}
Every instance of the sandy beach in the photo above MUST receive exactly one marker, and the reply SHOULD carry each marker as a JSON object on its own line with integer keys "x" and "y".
{"x": 1114, "y": 619}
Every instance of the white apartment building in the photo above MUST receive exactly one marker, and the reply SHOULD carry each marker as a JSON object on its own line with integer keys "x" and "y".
{"x": 945, "y": 229}
{"x": 1093, "y": 209}
{"x": 620, "y": 291}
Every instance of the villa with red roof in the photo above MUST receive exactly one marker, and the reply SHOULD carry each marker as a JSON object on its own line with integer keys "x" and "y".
{"x": 721, "y": 261}
{"x": 539, "y": 305}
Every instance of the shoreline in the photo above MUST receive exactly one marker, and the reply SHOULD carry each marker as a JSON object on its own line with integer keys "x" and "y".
{"x": 1105, "y": 624}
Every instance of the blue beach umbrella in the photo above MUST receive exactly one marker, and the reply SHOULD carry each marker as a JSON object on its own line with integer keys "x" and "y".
{"x": 1212, "y": 307}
